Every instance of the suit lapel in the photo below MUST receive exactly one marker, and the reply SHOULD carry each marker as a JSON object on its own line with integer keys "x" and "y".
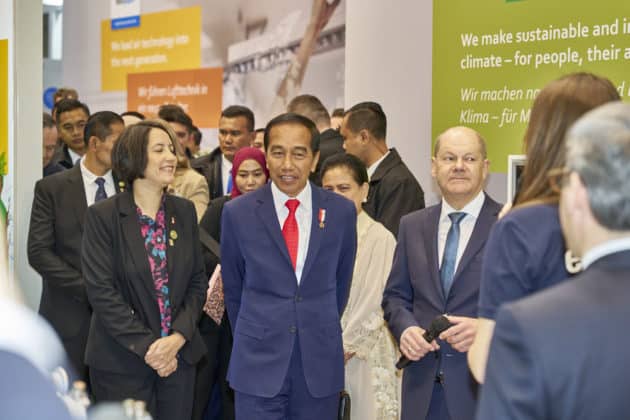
{"x": 318, "y": 202}
{"x": 135, "y": 243}
{"x": 430, "y": 233}
{"x": 266, "y": 212}
{"x": 174, "y": 226}
{"x": 77, "y": 191}
{"x": 487, "y": 217}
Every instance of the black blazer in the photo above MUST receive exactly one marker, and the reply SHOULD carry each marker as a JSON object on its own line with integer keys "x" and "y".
{"x": 210, "y": 167}
{"x": 62, "y": 157}
{"x": 394, "y": 192}
{"x": 126, "y": 318}
{"x": 54, "y": 250}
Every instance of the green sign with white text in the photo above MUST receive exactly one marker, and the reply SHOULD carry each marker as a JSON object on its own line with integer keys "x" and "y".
{"x": 491, "y": 58}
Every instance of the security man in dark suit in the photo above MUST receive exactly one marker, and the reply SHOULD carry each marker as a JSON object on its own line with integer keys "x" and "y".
{"x": 394, "y": 191}
{"x": 236, "y": 130}
{"x": 71, "y": 118}
{"x": 563, "y": 353}
{"x": 56, "y": 229}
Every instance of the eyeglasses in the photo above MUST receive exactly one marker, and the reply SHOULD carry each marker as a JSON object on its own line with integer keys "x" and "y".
{"x": 557, "y": 178}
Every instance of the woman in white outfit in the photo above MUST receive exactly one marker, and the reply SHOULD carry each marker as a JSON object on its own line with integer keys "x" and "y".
{"x": 370, "y": 353}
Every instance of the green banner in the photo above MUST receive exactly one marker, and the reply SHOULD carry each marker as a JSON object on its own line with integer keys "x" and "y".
{"x": 491, "y": 58}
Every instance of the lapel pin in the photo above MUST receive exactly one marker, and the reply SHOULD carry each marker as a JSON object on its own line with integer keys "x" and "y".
{"x": 322, "y": 218}
{"x": 171, "y": 243}
{"x": 121, "y": 186}
{"x": 172, "y": 220}
{"x": 173, "y": 235}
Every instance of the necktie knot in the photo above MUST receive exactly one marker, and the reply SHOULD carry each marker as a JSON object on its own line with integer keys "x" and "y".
{"x": 101, "y": 194}
{"x": 292, "y": 204}
{"x": 456, "y": 217}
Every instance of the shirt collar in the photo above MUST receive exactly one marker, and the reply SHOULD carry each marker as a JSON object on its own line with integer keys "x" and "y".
{"x": 373, "y": 166}
{"x": 90, "y": 177}
{"x": 225, "y": 162}
{"x": 74, "y": 156}
{"x": 473, "y": 208}
{"x": 280, "y": 198}
{"x": 607, "y": 248}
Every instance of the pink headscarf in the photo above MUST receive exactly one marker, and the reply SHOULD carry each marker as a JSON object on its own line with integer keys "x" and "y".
{"x": 242, "y": 155}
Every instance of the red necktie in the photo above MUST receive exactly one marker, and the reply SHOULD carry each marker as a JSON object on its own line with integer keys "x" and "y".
{"x": 290, "y": 230}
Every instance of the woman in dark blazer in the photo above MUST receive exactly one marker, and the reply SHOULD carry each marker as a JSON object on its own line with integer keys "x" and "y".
{"x": 249, "y": 172}
{"x": 145, "y": 280}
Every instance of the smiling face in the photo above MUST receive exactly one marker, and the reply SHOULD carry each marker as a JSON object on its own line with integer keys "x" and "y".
{"x": 459, "y": 166}
{"x": 161, "y": 160}
{"x": 290, "y": 158}
{"x": 250, "y": 176}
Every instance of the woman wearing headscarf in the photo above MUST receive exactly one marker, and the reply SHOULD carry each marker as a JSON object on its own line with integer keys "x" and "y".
{"x": 249, "y": 172}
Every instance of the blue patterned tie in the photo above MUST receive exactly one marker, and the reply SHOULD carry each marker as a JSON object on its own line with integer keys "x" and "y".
{"x": 447, "y": 271}
{"x": 100, "y": 191}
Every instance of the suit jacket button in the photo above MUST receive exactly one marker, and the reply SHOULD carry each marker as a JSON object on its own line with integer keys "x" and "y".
{"x": 292, "y": 330}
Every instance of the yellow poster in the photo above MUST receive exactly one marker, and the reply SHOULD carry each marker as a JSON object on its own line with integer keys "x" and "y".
{"x": 162, "y": 41}
{"x": 4, "y": 105}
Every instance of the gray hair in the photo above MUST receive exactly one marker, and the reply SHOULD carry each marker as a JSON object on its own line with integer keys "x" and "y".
{"x": 598, "y": 150}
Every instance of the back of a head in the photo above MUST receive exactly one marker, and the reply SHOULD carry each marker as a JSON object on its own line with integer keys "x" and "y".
{"x": 555, "y": 109}
{"x": 367, "y": 116}
{"x": 68, "y": 105}
{"x": 65, "y": 93}
{"x": 598, "y": 150}
{"x": 176, "y": 114}
{"x": 99, "y": 125}
{"x": 235, "y": 111}
{"x": 312, "y": 108}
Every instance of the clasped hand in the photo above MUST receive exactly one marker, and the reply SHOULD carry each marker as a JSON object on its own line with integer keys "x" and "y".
{"x": 460, "y": 335}
{"x": 162, "y": 354}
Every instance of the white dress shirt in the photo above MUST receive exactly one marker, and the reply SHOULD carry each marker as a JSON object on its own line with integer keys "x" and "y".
{"x": 73, "y": 156}
{"x": 601, "y": 250}
{"x": 90, "y": 186}
{"x": 466, "y": 226}
{"x": 226, "y": 168}
{"x": 374, "y": 166}
{"x": 304, "y": 217}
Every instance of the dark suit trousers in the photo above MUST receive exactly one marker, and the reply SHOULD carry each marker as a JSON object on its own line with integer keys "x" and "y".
{"x": 294, "y": 401}
{"x": 212, "y": 369}
{"x": 75, "y": 347}
{"x": 167, "y": 398}
{"x": 438, "y": 409}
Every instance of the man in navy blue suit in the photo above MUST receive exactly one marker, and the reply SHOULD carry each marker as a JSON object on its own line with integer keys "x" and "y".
{"x": 436, "y": 270}
{"x": 287, "y": 256}
{"x": 563, "y": 353}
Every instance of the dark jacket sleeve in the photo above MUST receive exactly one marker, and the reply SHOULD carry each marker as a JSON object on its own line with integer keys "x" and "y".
{"x": 41, "y": 246}
{"x": 232, "y": 267}
{"x": 398, "y": 293}
{"x": 399, "y": 199}
{"x": 113, "y": 312}
{"x": 189, "y": 312}
{"x": 514, "y": 387}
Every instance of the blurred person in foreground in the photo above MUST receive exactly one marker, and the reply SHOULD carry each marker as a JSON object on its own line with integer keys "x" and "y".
{"x": 436, "y": 271}
{"x": 249, "y": 171}
{"x": 369, "y": 349}
{"x": 526, "y": 252}
{"x": 145, "y": 280}
{"x": 562, "y": 353}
